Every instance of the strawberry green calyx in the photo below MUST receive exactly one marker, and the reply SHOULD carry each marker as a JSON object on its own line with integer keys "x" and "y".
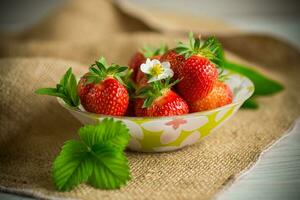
{"x": 66, "y": 89}
{"x": 101, "y": 70}
{"x": 154, "y": 90}
{"x": 149, "y": 52}
{"x": 210, "y": 48}
{"x": 128, "y": 82}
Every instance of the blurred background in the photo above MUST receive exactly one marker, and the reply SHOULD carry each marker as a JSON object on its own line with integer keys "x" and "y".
{"x": 278, "y": 17}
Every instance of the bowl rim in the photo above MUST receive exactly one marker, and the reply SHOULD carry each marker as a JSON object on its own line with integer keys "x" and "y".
{"x": 240, "y": 101}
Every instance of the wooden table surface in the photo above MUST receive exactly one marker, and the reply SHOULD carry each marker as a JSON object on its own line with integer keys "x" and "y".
{"x": 277, "y": 174}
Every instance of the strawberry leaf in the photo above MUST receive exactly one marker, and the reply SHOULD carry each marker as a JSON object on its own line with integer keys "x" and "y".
{"x": 72, "y": 166}
{"x": 110, "y": 167}
{"x": 98, "y": 158}
{"x": 110, "y": 132}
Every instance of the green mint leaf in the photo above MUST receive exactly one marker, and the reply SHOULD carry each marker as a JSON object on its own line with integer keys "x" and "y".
{"x": 72, "y": 166}
{"x": 263, "y": 85}
{"x": 50, "y": 91}
{"x": 65, "y": 78}
{"x": 110, "y": 167}
{"x": 66, "y": 89}
{"x": 72, "y": 87}
{"x": 98, "y": 158}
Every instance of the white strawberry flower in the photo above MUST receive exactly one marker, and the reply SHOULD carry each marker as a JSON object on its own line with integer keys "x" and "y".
{"x": 156, "y": 70}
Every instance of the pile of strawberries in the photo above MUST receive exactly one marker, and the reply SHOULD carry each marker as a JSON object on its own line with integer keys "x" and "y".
{"x": 158, "y": 83}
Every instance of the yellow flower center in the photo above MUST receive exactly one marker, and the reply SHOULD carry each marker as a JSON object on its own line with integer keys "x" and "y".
{"x": 157, "y": 69}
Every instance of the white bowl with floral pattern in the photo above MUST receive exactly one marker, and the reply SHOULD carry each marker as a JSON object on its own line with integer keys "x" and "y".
{"x": 161, "y": 134}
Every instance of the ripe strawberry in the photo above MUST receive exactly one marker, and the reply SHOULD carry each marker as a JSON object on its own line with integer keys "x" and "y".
{"x": 220, "y": 95}
{"x": 198, "y": 73}
{"x": 101, "y": 91}
{"x": 169, "y": 104}
{"x": 135, "y": 62}
{"x": 198, "y": 76}
{"x": 157, "y": 99}
{"x": 141, "y": 79}
{"x": 176, "y": 61}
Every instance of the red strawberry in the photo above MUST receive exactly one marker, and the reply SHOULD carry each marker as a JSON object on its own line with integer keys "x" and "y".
{"x": 141, "y": 79}
{"x": 101, "y": 91}
{"x": 169, "y": 104}
{"x": 198, "y": 76}
{"x": 220, "y": 95}
{"x": 135, "y": 62}
{"x": 157, "y": 99}
{"x": 198, "y": 73}
{"x": 130, "y": 108}
{"x": 176, "y": 61}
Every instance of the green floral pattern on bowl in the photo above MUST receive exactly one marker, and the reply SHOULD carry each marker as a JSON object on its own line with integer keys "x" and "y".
{"x": 161, "y": 134}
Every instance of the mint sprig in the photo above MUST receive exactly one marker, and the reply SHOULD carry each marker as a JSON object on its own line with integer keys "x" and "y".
{"x": 66, "y": 89}
{"x": 97, "y": 158}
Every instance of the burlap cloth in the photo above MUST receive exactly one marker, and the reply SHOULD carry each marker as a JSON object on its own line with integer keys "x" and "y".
{"x": 33, "y": 128}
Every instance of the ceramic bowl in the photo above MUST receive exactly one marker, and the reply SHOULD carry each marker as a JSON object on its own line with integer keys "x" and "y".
{"x": 161, "y": 134}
